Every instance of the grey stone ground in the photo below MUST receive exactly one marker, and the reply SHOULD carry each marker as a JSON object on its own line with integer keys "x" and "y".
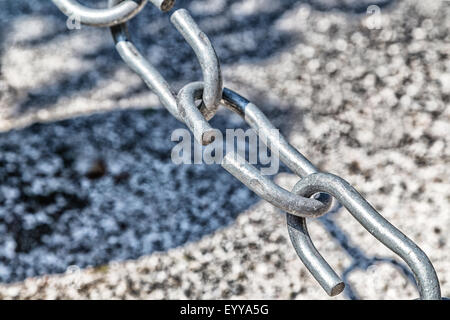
{"x": 369, "y": 105}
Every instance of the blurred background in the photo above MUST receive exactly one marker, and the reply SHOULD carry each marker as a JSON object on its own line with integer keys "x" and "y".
{"x": 91, "y": 205}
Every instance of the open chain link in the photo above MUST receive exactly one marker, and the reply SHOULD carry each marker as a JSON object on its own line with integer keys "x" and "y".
{"x": 312, "y": 195}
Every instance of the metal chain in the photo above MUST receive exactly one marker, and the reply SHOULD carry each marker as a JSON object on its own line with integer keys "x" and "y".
{"x": 311, "y": 197}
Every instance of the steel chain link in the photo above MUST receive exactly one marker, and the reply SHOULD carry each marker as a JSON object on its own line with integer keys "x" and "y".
{"x": 311, "y": 196}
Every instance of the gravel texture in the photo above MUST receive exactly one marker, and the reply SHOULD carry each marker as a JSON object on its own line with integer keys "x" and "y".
{"x": 104, "y": 188}
{"x": 369, "y": 105}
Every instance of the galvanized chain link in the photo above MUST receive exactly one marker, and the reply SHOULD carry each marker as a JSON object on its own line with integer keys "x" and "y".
{"x": 312, "y": 195}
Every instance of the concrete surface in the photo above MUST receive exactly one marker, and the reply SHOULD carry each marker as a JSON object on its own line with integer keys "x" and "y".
{"x": 95, "y": 190}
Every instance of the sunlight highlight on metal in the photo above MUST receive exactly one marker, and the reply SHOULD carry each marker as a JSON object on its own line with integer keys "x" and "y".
{"x": 111, "y": 16}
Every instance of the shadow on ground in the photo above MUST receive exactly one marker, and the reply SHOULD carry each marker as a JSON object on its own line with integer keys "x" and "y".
{"x": 93, "y": 189}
